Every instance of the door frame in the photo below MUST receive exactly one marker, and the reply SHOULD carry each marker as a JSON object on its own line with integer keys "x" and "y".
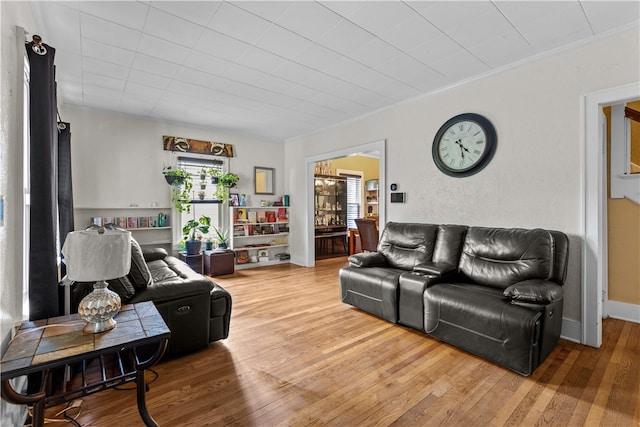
{"x": 594, "y": 220}
{"x": 378, "y": 147}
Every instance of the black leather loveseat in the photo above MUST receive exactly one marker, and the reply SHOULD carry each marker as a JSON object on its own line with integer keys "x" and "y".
{"x": 494, "y": 292}
{"x": 196, "y": 310}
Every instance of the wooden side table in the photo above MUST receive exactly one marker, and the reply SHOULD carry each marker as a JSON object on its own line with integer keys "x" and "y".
{"x": 194, "y": 261}
{"x": 47, "y": 345}
{"x": 219, "y": 263}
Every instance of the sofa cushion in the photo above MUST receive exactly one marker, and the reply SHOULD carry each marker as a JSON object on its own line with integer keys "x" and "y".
{"x": 534, "y": 291}
{"x": 139, "y": 275}
{"x": 500, "y": 257}
{"x": 406, "y": 245}
{"x": 123, "y": 287}
{"x": 367, "y": 259}
{"x": 154, "y": 254}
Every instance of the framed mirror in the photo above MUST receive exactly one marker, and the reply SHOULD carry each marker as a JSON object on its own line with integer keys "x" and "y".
{"x": 264, "y": 180}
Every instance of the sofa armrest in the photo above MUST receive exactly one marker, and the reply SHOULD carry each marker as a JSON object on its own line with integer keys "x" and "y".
{"x": 437, "y": 269}
{"x": 367, "y": 259}
{"x": 154, "y": 254}
{"x": 535, "y": 291}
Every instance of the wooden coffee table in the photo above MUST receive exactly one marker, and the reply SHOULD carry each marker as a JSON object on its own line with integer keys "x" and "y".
{"x": 58, "y": 344}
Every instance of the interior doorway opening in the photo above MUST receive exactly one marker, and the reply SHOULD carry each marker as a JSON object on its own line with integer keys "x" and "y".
{"x": 374, "y": 150}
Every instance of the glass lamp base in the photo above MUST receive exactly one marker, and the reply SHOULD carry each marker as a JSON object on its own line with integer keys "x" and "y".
{"x": 98, "y": 308}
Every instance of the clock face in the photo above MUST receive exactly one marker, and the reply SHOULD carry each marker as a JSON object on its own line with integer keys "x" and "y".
{"x": 464, "y": 145}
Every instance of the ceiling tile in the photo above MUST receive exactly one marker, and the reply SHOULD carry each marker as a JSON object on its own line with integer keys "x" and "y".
{"x": 136, "y": 90}
{"x": 308, "y": 18}
{"x": 344, "y": 8}
{"x": 147, "y": 79}
{"x": 282, "y": 42}
{"x": 221, "y": 45}
{"x": 377, "y": 15}
{"x": 409, "y": 70}
{"x": 66, "y": 36}
{"x": 104, "y": 68}
{"x": 605, "y": 16}
{"x": 460, "y": 64}
{"x": 170, "y": 27}
{"x": 345, "y": 38}
{"x": 107, "y": 32}
{"x": 557, "y": 22}
{"x": 199, "y": 12}
{"x": 260, "y": 59}
{"x": 100, "y": 80}
{"x": 318, "y": 57}
{"x": 104, "y": 52}
{"x": 501, "y": 50}
{"x": 375, "y": 52}
{"x": 411, "y": 33}
{"x": 464, "y": 21}
{"x": 130, "y": 14}
{"x": 238, "y": 23}
{"x": 154, "y": 65}
{"x": 163, "y": 49}
{"x": 267, "y": 9}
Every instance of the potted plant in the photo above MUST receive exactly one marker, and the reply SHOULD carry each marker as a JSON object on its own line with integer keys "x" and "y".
{"x": 225, "y": 182}
{"x": 190, "y": 232}
{"x": 203, "y": 185}
{"x": 208, "y": 244}
{"x": 203, "y": 173}
{"x": 181, "y": 185}
{"x": 213, "y": 173}
{"x": 175, "y": 176}
{"x": 201, "y": 195}
{"x": 222, "y": 238}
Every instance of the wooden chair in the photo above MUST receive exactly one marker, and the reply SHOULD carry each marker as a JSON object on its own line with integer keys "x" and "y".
{"x": 368, "y": 234}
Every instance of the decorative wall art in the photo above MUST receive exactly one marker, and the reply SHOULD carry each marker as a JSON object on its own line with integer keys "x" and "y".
{"x": 185, "y": 145}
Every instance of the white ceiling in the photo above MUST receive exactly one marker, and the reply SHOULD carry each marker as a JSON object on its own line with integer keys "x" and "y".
{"x": 277, "y": 69}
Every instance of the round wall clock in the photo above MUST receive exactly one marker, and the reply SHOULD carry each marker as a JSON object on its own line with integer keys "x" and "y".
{"x": 464, "y": 145}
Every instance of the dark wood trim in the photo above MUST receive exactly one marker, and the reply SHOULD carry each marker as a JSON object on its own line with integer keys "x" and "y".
{"x": 632, "y": 114}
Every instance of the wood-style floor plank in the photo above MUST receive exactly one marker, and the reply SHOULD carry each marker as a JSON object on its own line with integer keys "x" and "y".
{"x": 297, "y": 356}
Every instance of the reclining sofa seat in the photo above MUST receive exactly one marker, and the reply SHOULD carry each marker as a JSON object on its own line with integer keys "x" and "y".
{"x": 493, "y": 292}
{"x": 196, "y": 310}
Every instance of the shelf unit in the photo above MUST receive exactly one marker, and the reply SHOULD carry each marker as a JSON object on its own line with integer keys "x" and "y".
{"x": 145, "y": 236}
{"x": 371, "y": 187}
{"x": 330, "y": 200}
{"x": 259, "y": 228}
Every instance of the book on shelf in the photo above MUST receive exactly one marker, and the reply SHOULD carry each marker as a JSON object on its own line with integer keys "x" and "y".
{"x": 122, "y": 222}
{"x": 108, "y": 220}
{"x": 143, "y": 222}
{"x": 271, "y": 216}
{"x": 96, "y": 220}
{"x": 252, "y": 216}
{"x": 242, "y": 213}
{"x": 238, "y": 231}
{"x": 242, "y": 256}
{"x": 132, "y": 222}
{"x": 282, "y": 214}
{"x": 261, "y": 216}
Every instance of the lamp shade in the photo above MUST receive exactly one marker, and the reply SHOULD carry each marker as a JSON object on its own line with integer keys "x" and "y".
{"x": 92, "y": 256}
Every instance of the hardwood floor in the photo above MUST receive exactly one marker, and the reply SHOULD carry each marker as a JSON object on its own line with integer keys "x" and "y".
{"x": 297, "y": 356}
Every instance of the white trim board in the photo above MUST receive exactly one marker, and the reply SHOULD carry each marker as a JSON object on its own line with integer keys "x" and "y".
{"x": 623, "y": 311}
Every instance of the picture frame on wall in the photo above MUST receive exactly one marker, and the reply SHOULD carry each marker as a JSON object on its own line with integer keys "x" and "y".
{"x": 235, "y": 199}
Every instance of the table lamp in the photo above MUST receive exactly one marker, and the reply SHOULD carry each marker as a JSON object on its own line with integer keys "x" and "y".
{"x": 98, "y": 255}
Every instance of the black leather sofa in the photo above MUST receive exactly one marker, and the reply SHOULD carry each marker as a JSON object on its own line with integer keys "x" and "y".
{"x": 196, "y": 310}
{"x": 494, "y": 292}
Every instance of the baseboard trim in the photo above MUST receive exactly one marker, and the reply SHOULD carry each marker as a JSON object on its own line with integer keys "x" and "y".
{"x": 571, "y": 330}
{"x": 623, "y": 311}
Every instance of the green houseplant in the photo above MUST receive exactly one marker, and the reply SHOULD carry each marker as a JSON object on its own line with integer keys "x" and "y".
{"x": 181, "y": 185}
{"x": 221, "y": 237}
{"x": 190, "y": 232}
{"x": 225, "y": 182}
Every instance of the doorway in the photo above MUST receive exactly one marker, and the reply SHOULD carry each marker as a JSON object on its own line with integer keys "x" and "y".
{"x": 594, "y": 265}
{"x": 373, "y": 149}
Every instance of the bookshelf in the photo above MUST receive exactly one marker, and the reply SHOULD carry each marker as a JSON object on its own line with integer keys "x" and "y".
{"x": 259, "y": 235}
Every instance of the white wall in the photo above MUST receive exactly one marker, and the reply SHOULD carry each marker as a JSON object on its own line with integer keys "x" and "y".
{"x": 117, "y": 159}
{"x": 12, "y": 14}
{"x": 535, "y": 178}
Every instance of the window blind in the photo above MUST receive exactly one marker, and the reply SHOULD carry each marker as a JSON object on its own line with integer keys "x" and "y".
{"x": 354, "y": 199}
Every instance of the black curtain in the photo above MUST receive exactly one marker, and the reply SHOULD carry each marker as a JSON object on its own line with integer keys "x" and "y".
{"x": 65, "y": 189}
{"x": 43, "y": 273}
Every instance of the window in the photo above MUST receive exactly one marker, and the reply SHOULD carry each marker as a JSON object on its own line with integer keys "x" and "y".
{"x": 354, "y": 196}
{"x": 210, "y": 209}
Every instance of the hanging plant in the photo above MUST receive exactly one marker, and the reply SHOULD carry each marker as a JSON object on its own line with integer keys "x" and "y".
{"x": 181, "y": 185}
{"x": 225, "y": 182}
